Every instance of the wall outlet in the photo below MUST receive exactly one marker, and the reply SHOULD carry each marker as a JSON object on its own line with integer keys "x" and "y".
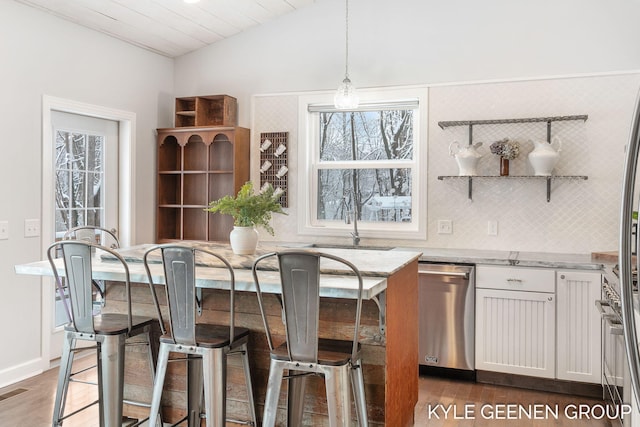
{"x": 4, "y": 230}
{"x": 445, "y": 226}
{"x": 31, "y": 227}
{"x": 492, "y": 228}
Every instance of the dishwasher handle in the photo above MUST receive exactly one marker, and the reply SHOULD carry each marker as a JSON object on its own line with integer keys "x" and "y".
{"x": 464, "y": 274}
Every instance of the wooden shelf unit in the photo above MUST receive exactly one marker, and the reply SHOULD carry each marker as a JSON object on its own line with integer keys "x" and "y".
{"x": 196, "y": 166}
{"x": 209, "y": 110}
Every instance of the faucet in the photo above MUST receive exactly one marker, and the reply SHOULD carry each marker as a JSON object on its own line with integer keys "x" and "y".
{"x": 353, "y": 213}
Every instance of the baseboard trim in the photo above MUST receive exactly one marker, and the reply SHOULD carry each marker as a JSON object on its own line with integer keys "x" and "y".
{"x": 574, "y": 388}
{"x": 21, "y": 372}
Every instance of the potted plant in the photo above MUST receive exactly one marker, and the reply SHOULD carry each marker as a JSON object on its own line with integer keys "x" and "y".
{"x": 248, "y": 211}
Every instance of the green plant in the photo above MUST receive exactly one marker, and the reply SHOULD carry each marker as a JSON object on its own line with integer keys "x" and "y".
{"x": 249, "y": 209}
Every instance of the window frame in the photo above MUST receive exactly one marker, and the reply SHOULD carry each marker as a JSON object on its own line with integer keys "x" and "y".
{"x": 309, "y": 164}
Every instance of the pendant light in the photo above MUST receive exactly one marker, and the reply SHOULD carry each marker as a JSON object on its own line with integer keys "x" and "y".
{"x": 346, "y": 97}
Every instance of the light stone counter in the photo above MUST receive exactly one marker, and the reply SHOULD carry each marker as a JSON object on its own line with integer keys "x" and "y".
{"x": 521, "y": 259}
{"x": 375, "y": 266}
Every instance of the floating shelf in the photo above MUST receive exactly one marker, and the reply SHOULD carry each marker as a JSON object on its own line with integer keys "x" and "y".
{"x": 548, "y": 179}
{"x": 447, "y": 124}
{"x": 547, "y": 120}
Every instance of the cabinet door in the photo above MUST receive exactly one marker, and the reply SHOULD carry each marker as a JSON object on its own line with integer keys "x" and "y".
{"x": 579, "y": 338}
{"x": 515, "y": 332}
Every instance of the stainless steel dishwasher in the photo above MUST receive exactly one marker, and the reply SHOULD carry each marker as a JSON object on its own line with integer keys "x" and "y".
{"x": 447, "y": 318}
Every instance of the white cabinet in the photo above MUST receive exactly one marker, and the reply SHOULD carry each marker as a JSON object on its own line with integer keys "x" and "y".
{"x": 538, "y": 322}
{"x": 515, "y": 329}
{"x": 578, "y": 326}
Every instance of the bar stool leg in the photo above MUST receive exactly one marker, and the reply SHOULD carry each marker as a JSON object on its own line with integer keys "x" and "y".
{"x": 247, "y": 378}
{"x": 194, "y": 389}
{"x": 158, "y": 384}
{"x": 295, "y": 399}
{"x": 111, "y": 379}
{"x": 215, "y": 386}
{"x": 338, "y": 395}
{"x": 63, "y": 378}
{"x": 273, "y": 394}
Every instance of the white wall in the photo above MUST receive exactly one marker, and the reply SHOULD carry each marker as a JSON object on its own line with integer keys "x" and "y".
{"x": 403, "y": 42}
{"x": 581, "y": 216}
{"x": 416, "y": 42}
{"x": 41, "y": 54}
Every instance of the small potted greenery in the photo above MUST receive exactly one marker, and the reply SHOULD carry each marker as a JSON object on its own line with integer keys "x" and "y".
{"x": 248, "y": 211}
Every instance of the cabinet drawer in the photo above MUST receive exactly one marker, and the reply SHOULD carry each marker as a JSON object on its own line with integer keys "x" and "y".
{"x": 516, "y": 278}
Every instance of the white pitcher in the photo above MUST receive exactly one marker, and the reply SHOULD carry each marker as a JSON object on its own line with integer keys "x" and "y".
{"x": 544, "y": 156}
{"x": 467, "y": 157}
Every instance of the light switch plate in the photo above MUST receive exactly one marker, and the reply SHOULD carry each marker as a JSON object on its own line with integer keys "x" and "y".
{"x": 31, "y": 227}
{"x": 492, "y": 228}
{"x": 445, "y": 226}
{"x": 4, "y": 230}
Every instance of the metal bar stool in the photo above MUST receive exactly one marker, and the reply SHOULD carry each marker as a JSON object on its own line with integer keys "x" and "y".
{"x": 108, "y": 330}
{"x": 207, "y": 345}
{"x": 304, "y": 352}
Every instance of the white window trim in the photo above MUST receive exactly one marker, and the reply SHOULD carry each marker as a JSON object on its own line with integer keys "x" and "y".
{"x": 307, "y": 171}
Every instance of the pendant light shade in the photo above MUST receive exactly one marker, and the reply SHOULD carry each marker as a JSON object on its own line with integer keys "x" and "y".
{"x": 346, "y": 97}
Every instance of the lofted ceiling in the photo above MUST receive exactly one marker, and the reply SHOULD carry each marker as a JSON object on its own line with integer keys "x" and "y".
{"x": 168, "y": 27}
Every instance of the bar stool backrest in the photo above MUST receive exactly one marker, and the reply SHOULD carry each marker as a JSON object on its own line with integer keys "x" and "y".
{"x": 300, "y": 278}
{"x": 93, "y": 234}
{"x": 77, "y": 256}
{"x": 179, "y": 263}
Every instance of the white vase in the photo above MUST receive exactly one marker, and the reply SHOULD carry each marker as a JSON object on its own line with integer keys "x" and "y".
{"x": 243, "y": 240}
{"x": 544, "y": 157}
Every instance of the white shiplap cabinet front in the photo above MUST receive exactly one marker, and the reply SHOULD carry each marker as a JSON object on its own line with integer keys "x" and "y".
{"x": 515, "y": 332}
{"x": 579, "y": 347}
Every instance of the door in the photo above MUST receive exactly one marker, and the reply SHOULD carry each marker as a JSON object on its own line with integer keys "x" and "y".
{"x": 85, "y": 183}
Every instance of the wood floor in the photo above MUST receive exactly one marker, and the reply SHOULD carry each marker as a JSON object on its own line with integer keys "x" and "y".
{"x": 30, "y": 403}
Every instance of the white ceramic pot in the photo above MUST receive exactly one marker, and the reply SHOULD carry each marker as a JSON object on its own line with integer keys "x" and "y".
{"x": 243, "y": 240}
{"x": 544, "y": 157}
{"x": 467, "y": 157}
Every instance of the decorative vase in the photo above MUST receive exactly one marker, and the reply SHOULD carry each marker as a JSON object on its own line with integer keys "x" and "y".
{"x": 504, "y": 166}
{"x": 243, "y": 240}
{"x": 466, "y": 157}
{"x": 544, "y": 156}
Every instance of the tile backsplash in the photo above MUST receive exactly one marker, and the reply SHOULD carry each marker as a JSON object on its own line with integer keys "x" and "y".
{"x": 581, "y": 217}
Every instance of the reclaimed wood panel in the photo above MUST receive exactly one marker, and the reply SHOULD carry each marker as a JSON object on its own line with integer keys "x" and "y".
{"x": 390, "y": 363}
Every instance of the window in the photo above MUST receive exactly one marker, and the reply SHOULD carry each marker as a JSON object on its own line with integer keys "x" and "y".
{"x": 363, "y": 163}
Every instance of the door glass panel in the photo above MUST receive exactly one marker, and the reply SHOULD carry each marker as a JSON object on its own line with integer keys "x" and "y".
{"x": 79, "y": 180}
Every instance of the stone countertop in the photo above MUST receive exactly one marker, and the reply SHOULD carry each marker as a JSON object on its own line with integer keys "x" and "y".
{"x": 372, "y": 263}
{"x": 335, "y": 281}
{"x": 513, "y": 258}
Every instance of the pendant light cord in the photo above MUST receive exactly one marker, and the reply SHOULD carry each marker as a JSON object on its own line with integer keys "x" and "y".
{"x": 346, "y": 59}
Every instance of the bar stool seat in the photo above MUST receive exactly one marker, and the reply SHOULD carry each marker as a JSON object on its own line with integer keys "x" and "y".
{"x": 330, "y": 352}
{"x": 109, "y": 331}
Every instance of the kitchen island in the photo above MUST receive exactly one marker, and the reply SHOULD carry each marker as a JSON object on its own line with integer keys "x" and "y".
{"x": 389, "y": 332}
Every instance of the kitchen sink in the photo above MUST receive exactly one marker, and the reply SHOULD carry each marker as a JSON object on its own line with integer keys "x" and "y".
{"x": 343, "y": 246}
